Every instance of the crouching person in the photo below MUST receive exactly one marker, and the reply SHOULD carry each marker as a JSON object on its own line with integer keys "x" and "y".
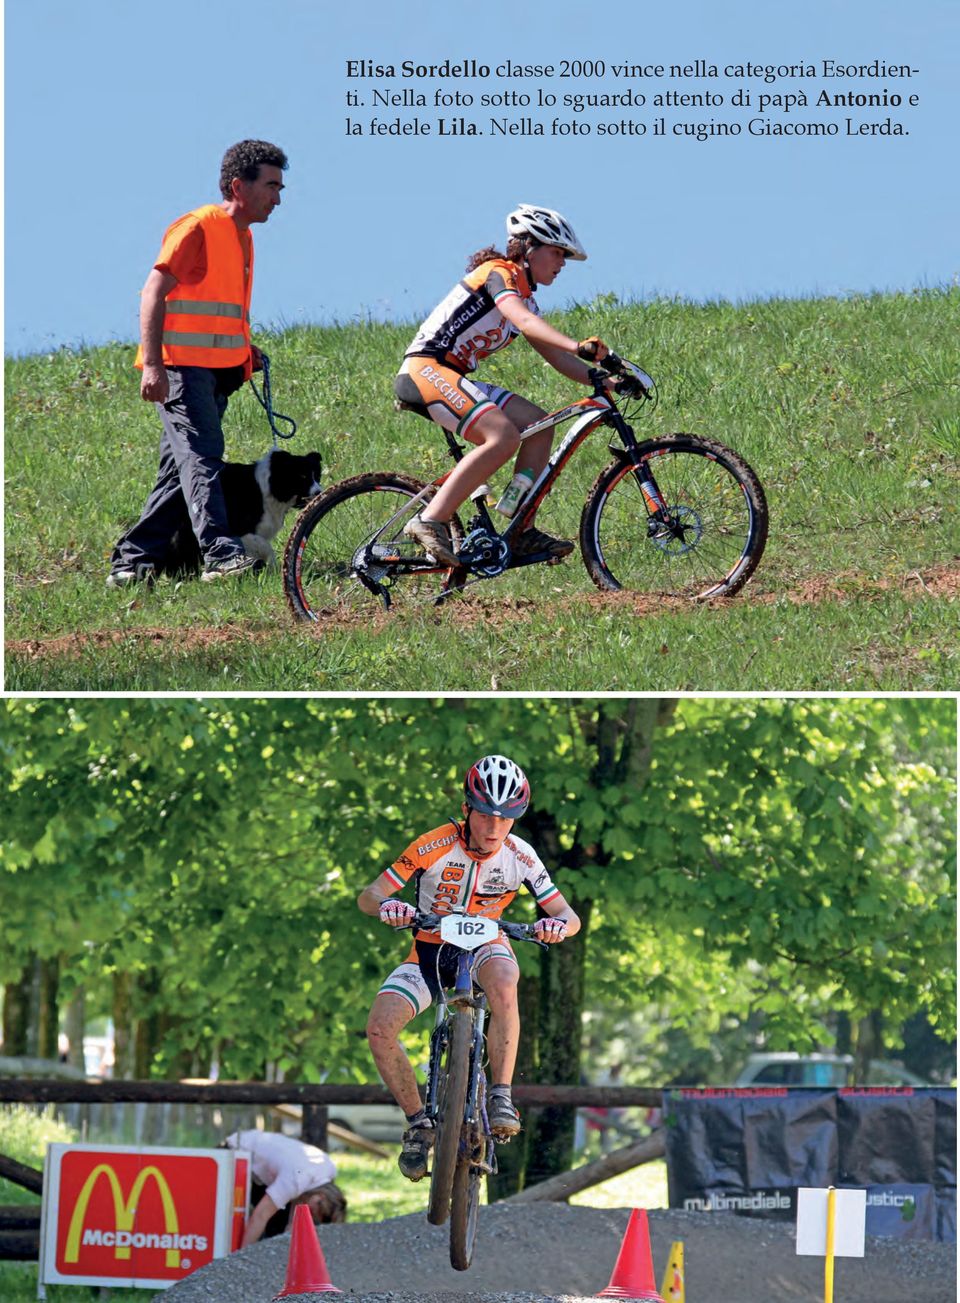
{"x": 287, "y": 1172}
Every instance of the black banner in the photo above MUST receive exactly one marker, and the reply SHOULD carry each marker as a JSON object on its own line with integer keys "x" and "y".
{"x": 748, "y": 1150}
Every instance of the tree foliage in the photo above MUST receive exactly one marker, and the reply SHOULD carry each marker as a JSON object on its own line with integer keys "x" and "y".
{"x": 788, "y": 858}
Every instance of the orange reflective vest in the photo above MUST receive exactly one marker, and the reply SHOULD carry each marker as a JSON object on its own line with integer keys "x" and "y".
{"x": 208, "y": 324}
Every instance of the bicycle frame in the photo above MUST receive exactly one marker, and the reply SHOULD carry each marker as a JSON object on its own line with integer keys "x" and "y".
{"x": 592, "y": 411}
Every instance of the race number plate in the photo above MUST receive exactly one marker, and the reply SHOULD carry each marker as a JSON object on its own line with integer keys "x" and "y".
{"x": 468, "y": 931}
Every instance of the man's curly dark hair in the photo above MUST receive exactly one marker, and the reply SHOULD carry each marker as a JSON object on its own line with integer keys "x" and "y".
{"x": 244, "y": 159}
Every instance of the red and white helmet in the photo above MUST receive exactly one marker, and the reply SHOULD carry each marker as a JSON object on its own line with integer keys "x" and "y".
{"x": 495, "y": 785}
{"x": 546, "y": 226}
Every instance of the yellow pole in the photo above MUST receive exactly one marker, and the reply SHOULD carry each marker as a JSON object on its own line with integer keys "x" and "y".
{"x": 828, "y": 1261}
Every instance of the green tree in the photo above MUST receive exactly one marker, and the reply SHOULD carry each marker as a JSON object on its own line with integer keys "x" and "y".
{"x": 192, "y": 866}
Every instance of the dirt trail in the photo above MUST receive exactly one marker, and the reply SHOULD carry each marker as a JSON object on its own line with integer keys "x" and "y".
{"x": 551, "y": 1251}
{"x": 938, "y": 581}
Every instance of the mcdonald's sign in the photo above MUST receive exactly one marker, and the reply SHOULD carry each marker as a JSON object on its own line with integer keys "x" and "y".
{"x": 118, "y": 1215}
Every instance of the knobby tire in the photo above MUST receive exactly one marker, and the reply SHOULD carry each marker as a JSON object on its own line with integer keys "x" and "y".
{"x": 452, "y": 1103}
{"x": 714, "y": 492}
{"x": 465, "y": 1197}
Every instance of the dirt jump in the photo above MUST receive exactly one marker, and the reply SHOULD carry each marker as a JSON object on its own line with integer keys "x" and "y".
{"x": 549, "y": 1251}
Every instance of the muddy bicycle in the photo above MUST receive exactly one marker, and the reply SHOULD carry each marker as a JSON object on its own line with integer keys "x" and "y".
{"x": 456, "y": 1092}
{"x": 676, "y": 515}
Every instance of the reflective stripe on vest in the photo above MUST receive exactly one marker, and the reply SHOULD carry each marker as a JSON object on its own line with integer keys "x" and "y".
{"x": 184, "y": 339}
{"x": 201, "y": 308}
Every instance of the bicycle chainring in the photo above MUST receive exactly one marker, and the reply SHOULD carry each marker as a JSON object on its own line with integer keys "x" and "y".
{"x": 483, "y": 553}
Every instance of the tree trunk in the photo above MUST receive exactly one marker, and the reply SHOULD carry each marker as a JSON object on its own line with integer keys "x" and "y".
{"x": 844, "y": 1035}
{"x": 76, "y": 1016}
{"x": 148, "y": 1025}
{"x": 16, "y": 1012}
{"x": 869, "y": 1044}
{"x": 48, "y": 1012}
{"x": 179, "y": 1064}
{"x": 122, "y": 1026}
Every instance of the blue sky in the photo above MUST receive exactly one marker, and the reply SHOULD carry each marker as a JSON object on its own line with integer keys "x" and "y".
{"x": 118, "y": 113}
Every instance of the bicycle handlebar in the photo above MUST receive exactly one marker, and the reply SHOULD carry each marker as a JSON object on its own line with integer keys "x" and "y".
{"x": 637, "y": 384}
{"x": 515, "y": 931}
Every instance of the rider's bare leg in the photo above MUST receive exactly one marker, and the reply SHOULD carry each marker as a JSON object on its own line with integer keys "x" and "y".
{"x": 499, "y": 978}
{"x": 497, "y": 439}
{"x": 389, "y": 1015}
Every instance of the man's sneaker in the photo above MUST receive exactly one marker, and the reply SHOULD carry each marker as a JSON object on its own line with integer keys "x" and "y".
{"x": 234, "y": 565}
{"x": 503, "y": 1117}
{"x": 417, "y": 1143}
{"x": 434, "y": 537}
{"x": 535, "y": 540}
{"x": 126, "y": 576}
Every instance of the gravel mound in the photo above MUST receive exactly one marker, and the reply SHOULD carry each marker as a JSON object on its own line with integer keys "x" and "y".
{"x": 535, "y": 1252}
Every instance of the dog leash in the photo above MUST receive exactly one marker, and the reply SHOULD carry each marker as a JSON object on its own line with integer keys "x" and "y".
{"x": 266, "y": 402}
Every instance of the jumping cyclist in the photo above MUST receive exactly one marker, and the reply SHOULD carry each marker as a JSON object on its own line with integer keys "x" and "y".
{"x": 477, "y": 866}
{"x": 482, "y": 313}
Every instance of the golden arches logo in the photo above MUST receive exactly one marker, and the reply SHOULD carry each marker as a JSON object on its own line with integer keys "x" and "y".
{"x": 124, "y": 1211}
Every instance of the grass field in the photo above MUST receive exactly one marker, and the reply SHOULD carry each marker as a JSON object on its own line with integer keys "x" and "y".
{"x": 373, "y": 1186}
{"x": 847, "y": 410}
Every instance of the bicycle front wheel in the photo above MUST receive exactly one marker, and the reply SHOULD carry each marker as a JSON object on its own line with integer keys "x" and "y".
{"x": 465, "y": 1197}
{"x": 451, "y": 1104}
{"x": 706, "y": 541}
{"x": 347, "y": 548}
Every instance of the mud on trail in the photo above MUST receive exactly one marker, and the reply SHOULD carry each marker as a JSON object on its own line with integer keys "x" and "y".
{"x": 937, "y": 581}
{"x": 527, "y": 1253}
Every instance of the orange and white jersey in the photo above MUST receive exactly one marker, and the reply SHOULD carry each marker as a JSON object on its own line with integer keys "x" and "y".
{"x": 468, "y": 325}
{"x": 447, "y": 876}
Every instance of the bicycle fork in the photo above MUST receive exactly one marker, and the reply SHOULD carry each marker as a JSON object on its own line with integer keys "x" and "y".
{"x": 476, "y": 1142}
{"x": 662, "y": 524}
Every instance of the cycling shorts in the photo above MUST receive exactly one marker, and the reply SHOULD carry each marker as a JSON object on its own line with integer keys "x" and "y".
{"x": 429, "y": 967}
{"x": 446, "y": 396}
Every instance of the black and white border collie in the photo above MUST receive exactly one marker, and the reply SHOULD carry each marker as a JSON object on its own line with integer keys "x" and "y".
{"x": 258, "y": 496}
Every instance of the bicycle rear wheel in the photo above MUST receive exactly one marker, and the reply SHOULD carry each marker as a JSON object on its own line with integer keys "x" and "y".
{"x": 451, "y": 1102}
{"x": 465, "y": 1196}
{"x": 349, "y": 540}
{"x": 711, "y": 540}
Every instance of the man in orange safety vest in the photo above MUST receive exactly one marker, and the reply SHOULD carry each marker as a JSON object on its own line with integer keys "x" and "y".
{"x": 194, "y": 352}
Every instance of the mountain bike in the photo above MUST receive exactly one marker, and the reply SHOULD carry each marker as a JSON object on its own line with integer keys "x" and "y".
{"x": 456, "y": 1092}
{"x": 675, "y": 515}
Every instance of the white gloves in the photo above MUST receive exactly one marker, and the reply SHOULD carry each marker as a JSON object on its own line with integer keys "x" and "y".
{"x": 396, "y": 913}
{"x": 550, "y": 929}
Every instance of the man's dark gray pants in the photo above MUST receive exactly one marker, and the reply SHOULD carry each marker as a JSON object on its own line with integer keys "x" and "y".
{"x": 191, "y": 457}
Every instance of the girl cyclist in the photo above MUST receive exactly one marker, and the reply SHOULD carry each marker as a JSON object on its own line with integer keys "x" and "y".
{"x": 481, "y": 314}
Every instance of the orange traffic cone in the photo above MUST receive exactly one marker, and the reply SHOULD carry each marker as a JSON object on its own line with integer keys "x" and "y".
{"x": 633, "y": 1274}
{"x": 306, "y": 1269}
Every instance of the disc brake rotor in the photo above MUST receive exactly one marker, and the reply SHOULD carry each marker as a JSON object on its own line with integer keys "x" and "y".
{"x": 681, "y": 534}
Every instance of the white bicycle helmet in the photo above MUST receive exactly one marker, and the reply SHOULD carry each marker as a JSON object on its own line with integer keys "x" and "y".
{"x": 495, "y": 785}
{"x": 547, "y": 226}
